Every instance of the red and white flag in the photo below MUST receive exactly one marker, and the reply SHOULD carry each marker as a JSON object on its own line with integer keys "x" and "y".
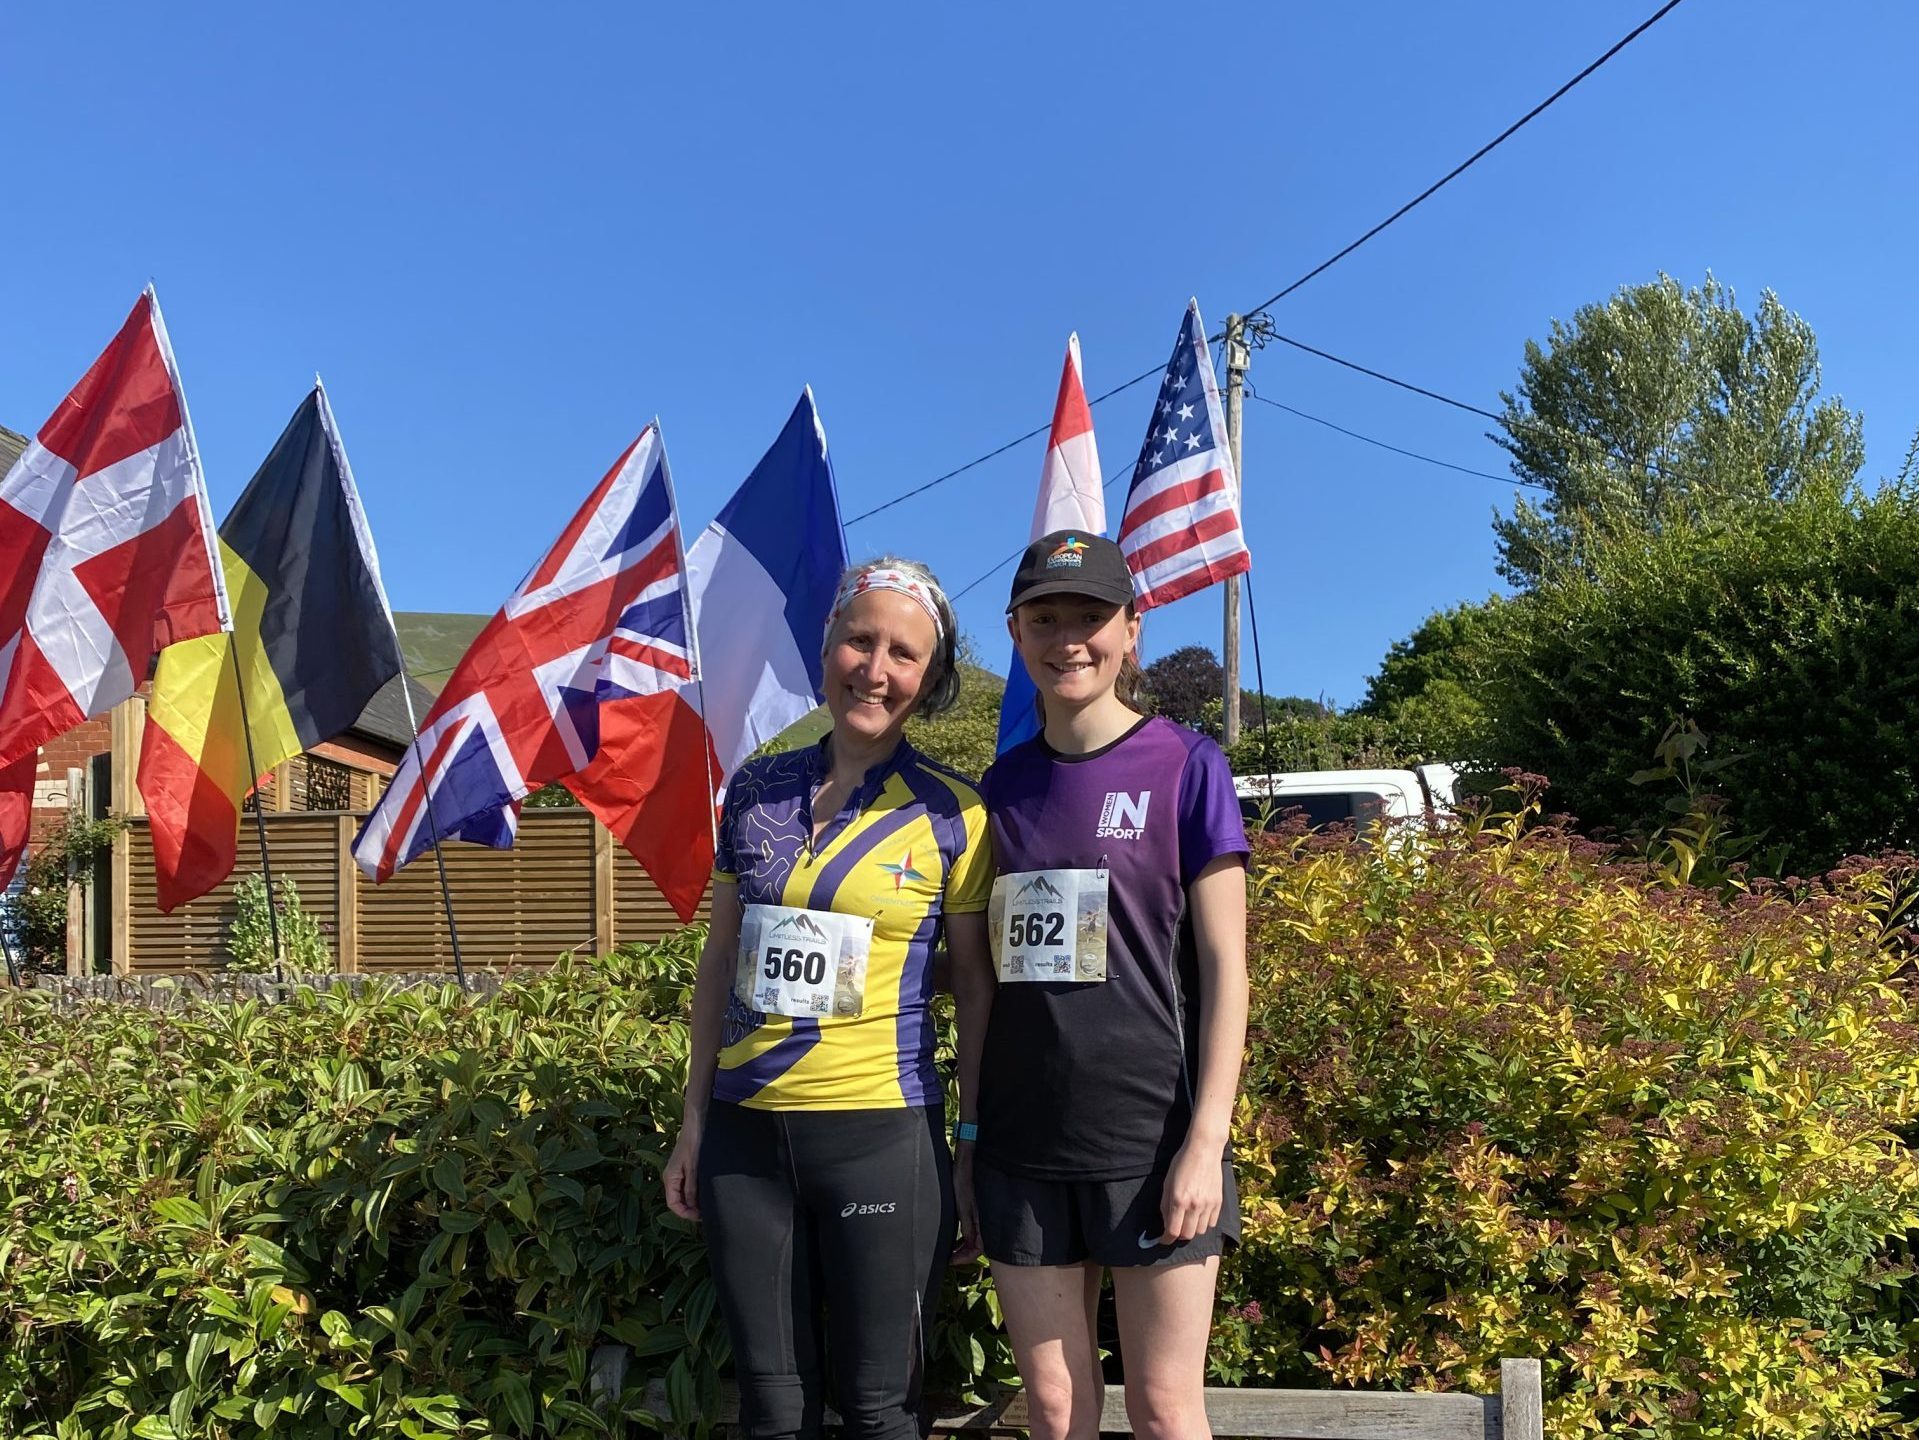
{"x": 1071, "y": 497}
{"x": 16, "y": 814}
{"x": 1070, "y": 493}
{"x": 1180, "y": 532}
{"x": 107, "y": 545}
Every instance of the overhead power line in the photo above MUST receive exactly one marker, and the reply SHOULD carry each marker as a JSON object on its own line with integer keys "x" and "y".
{"x": 1317, "y": 420}
{"x": 1320, "y": 269}
{"x": 994, "y": 454}
{"x": 1382, "y": 375}
{"x": 1397, "y": 450}
{"x": 1473, "y": 159}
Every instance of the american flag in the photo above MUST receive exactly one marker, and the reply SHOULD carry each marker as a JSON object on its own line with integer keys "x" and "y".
{"x": 1180, "y": 532}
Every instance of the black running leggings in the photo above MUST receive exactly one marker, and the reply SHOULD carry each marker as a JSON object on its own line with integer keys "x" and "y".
{"x": 828, "y": 1231}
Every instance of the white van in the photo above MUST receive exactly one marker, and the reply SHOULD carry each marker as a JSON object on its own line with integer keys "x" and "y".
{"x": 1330, "y": 797}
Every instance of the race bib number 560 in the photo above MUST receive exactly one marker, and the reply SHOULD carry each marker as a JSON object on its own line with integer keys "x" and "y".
{"x": 803, "y": 963}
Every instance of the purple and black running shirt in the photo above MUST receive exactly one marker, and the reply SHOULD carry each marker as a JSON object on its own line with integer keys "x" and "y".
{"x": 1093, "y": 1081}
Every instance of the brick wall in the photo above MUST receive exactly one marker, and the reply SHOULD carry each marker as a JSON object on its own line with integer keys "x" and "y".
{"x": 71, "y": 750}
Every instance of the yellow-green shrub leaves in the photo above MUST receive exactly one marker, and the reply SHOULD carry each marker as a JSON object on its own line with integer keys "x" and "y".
{"x": 1503, "y": 1097}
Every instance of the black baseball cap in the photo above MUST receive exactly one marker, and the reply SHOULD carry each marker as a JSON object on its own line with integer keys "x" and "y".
{"x": 1072, "y": 562}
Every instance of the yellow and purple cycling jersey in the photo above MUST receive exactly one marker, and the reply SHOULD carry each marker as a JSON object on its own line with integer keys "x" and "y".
{"x": 907, "y": 849}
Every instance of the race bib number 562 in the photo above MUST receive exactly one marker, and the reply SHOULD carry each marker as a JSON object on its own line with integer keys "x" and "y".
{"x": 1049, "y": 925}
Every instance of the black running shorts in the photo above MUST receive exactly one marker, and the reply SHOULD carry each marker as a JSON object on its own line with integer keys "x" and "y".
{"x": 1106, "y": 1222}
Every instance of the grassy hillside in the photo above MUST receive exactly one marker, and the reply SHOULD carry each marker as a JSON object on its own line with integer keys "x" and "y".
{"x": 433, "y": 643}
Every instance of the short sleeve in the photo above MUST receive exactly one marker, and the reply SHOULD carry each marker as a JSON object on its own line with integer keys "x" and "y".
{"x": 1210, "y": 823}
{"x": 970, "y": 882}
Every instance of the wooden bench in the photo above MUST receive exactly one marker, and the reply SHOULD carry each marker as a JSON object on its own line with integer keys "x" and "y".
{"x": 1513, "y": 1414}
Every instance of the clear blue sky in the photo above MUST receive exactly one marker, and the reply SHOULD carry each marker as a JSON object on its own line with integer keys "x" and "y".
{"x": 509, "y": 235}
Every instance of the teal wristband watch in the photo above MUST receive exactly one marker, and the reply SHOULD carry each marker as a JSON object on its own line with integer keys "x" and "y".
{"x": 964, "y": 1130}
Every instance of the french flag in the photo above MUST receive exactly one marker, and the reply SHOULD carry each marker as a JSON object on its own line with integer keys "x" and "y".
{"x": 761, "y": 580}
{"x": 763, "y": 576}
{"x": 1070, "y": 498}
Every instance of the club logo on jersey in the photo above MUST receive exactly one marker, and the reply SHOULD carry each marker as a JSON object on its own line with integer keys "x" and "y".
{"x": 902, "y": 872}
{"x": 799, "y": 925}
{"x": 1123, "y": 816}
{"x": 1072, "y": 553}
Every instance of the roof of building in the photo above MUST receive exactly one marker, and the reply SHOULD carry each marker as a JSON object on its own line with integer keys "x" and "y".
{"x": 12, "y": 444}
{"x": 385, "y": 717}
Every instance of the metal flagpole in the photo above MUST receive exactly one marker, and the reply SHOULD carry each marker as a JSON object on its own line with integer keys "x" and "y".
{"x": 399, "y": 651}
{"x": 259, "y": 817}
{"x": 1238, "y": 357}
{"x": 13, "y": 965}
{"x": 1259, "y": 679}
{"x": 432, "y": 821}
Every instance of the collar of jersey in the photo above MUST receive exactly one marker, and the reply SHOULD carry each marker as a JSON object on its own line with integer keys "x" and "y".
{"x": 1062, "y": 758}
{"x": 868, "y": 790}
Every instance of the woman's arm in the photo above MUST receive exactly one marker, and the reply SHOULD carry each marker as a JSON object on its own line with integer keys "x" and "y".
{"x": 1190, "y": 1202}
{"x": 719, "y": 958}
{"x": 973, "y": 987}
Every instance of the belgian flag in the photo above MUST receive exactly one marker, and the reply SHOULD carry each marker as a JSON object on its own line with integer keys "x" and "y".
{"x": 313, "y": 637}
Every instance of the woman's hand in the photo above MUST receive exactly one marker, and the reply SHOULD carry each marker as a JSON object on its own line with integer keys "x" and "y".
{"x": 1189, "y": 1202}
{"x": 683, "y": 1172}
{"x": 967, "y": 1252}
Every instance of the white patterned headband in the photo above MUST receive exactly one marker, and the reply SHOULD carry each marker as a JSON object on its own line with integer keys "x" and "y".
{"x": 916, "y": 590}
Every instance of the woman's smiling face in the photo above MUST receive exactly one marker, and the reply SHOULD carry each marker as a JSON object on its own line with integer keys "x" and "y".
{"x": 876, "y": 666}
{"x": 1073, "y": 645}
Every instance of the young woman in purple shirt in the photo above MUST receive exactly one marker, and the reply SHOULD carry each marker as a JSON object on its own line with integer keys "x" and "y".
{"x": 1111, "y": 1060}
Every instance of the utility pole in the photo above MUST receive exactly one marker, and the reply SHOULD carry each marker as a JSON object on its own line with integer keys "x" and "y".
{"x": 1238, "y": 357}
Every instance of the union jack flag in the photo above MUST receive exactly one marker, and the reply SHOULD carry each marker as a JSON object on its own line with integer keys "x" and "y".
{"x": 1180, "y": 532}
{"x": 603, "y": 615}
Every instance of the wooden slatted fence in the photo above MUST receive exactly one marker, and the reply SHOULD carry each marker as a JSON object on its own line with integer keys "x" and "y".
{"x": 566, "y": 885}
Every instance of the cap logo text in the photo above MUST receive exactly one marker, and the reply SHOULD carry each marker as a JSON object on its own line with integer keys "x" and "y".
{"x": 1072, "y": 553}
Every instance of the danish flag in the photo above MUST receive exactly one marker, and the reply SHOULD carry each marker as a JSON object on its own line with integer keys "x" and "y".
{"x": 604, "y": 614}
{"x": 106, "y": 542}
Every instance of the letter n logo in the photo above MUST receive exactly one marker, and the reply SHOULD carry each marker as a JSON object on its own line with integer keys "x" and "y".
{"x": 1123, "y": 811}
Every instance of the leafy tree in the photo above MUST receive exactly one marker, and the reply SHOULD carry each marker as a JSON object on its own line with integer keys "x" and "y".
{"x": 1184, "y": 683}
{"x": 1789, "y": 637}
{"x": 1426, "y": 690}
{"x": 1660, "y": 406}
{"x": 1299, "y": 740}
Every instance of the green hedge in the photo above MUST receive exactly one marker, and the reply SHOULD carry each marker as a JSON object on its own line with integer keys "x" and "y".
{"x": 389, "y": 1213}
{"x": 1504, "y": 1096}
{"x": 1789, "y": 634}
